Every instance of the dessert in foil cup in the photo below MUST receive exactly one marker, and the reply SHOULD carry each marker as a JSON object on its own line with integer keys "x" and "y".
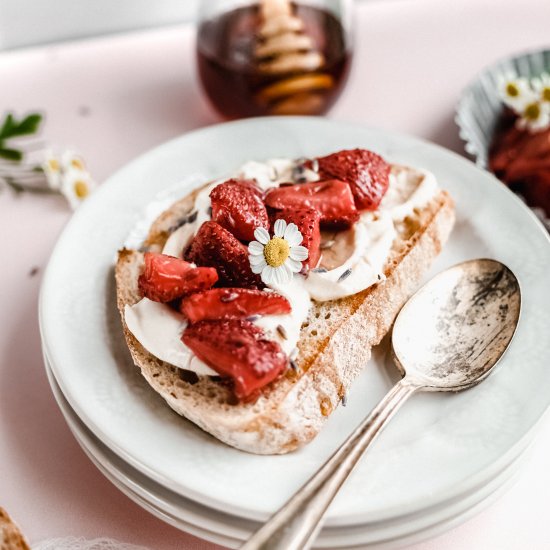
{"x": 481, "y": 110}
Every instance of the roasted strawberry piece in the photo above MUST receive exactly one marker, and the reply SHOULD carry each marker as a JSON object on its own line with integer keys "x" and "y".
{"x": 252, "y": 185}
{"x": 238, "y": 207}
{"x": 214, "y": 246}
{"x": 307, "y": 220}
{"x": 366, "y": 172}
{"x": 233, "y": 303}
{"x": 166, "y": 278}
{"x": 237, "y": 349}
{"x": 331, "y": 198}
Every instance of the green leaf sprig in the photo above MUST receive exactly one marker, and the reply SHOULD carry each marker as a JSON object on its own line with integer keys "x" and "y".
{"x": 12, "y": 128}
{"x": 15, "y": 173}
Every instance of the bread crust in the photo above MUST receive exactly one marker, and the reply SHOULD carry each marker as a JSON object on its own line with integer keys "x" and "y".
{"x": 335, "y": 343}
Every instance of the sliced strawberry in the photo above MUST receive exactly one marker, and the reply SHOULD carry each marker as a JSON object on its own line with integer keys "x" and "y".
{"x": 214, "y": 246}
{"x": 366, "y": 172}
{"x": 237, "y": 207}
{"x": 237, "y": 349}
{"x": 166, "y": 278}
{"x": 307, "y": 220}
{"x": 332, "y": 199}
{"x": 233, "y": 303}
{"x": 252, "y": 185}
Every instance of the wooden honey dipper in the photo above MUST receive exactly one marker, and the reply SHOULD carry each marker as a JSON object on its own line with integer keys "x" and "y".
{"x": 288, "y": 55}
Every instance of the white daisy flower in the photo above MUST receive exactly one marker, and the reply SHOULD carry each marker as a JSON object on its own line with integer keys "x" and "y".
{"x": 516, "y": 92}
{"x": 52, "y": 169}
{"x": 535, "y": 116}
{"x": 72, "y": 161}
{"x": 76, "y": 185}
{"x": 541, "y": 85}
{"x": 277, "y": 258}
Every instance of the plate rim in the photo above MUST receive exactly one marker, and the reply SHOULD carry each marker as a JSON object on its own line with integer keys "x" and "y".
{"x": 199, "y": 497}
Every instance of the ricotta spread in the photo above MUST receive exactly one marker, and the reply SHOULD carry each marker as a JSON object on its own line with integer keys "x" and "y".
{"x": 354, "y": 262}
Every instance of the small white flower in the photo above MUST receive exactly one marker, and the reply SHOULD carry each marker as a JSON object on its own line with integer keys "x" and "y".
{"x": 535, "y": 116}
{"x": 72, "y": 161}
{"x": 516, "y": 92}
{"x": 52, "y": 169}
{"x": 76, "y": 185}
{"x": 277, "y": 258}
{"x": 541, "y": 85}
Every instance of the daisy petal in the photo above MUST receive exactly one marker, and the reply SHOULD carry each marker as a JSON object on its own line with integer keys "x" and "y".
{"x": 293, "y": 235}
{"x": 256, "y": 259}
{"x": 254, "y": 247}
{"x": 282, "y": 275}
{"x": 279, "y": 228}
{"x": 268, "y": 275}
{"x": 277, "y": 277}
{"x": 299, "y": 253}
{"x": 288, "y": 273}
{"x": 258, "y": 268}
{"x": 293, "y": 265}
{"x": 261, "y": 235}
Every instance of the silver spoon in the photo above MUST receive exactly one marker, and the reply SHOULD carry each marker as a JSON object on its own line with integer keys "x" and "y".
{"x": 447, "y": 337}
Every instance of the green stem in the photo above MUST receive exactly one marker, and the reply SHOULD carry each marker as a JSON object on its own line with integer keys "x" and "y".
{"x": 20, "y": 188}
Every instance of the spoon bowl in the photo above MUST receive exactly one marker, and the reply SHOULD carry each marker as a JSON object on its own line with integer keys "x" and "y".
{"x": 453, "y": 331}
{"x": 447, "y": 337}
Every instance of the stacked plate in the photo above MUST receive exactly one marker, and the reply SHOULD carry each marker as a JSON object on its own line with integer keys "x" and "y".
{"x": 441, "y": 459}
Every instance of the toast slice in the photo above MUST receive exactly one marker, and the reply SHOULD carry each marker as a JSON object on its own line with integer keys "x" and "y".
{"x": 335, "y": 342}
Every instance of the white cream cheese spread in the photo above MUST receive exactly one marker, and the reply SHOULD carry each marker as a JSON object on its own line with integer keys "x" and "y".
{"x": 158, "y": 328}
{"x": 367, "y": 247}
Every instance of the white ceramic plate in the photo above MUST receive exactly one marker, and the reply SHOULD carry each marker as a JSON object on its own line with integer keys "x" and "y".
{"x": 437, "y": 448}
{"x": 231, "y": 531}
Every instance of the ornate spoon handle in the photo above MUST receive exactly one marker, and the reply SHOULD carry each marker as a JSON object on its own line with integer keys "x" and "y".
{"x": 297, "y": 523}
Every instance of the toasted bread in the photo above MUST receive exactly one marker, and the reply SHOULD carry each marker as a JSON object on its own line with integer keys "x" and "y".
{"x": 335, "y": 342}
{"x": 11, "y": 537}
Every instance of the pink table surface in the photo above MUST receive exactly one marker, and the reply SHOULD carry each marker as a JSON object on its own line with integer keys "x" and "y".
{"x": 112, "y": 99}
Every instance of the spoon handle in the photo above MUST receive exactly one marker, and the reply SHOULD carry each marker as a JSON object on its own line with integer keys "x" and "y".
{"x": 297, "y": 523}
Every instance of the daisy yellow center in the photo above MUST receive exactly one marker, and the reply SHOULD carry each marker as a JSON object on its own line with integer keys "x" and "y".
{"x": 276, "y": 251}
{"x": 532, "y": 111}
{"x": 53, "y": 165}
{"x": 77, "y": 163}
{"x": 80, "y": 189}
{"x": 546, "y": 93}
{"x": 512, "y": 89}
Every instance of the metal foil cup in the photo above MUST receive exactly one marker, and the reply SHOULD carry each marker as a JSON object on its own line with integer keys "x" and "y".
{"x": 480, "y": 106}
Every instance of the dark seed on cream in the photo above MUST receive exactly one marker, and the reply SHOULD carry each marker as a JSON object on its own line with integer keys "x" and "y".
{"x": 189, "y": 218}
{"x": 253, "y": 318}
{"x": 282, "y": 331}
{"x": 319, "y": 270}
{"x": 344, "y": 275}
{"x": 344, "y": 400}
{"x": 293, "y": 365}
